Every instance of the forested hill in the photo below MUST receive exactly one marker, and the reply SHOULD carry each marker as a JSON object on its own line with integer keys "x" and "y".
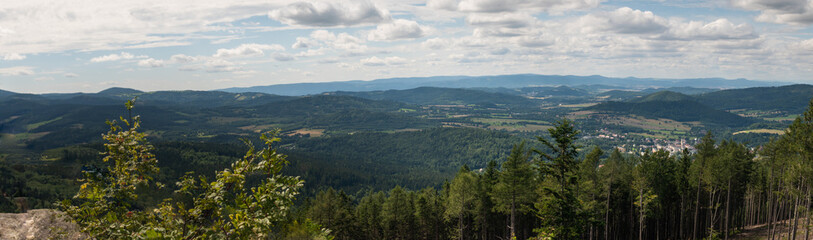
{"x": 663, "y": 96}
{"x": 442, "y": 96}
{"x": 682, "y": 110}
{"x": 791, "y": 98}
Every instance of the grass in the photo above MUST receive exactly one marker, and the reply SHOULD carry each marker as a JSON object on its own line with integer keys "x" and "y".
{"x": 783, "y": 118}
{"x": 580, "y": 105}
{"x": 521, "y": 127}
{"x": 762, "y": 130}
{"x": 506, "y": 121}
{"x": 33, "y": 126}
{"x": 649, "y": 124}
{"x": 307, "y": 131}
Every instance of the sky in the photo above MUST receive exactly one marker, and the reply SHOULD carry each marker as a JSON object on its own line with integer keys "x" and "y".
{"x": 90, "y": 45}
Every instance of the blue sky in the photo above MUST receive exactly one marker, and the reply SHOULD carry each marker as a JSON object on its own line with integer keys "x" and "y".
{"x": 89, "y": 45}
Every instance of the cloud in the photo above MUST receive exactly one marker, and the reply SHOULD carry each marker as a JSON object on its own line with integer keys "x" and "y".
{"x": 13, "y": 56}
{"x": 303, "y": 42}
{"x": 796, "y": 12}
{"x": 115, "y": 57}
{"x": 510, "y": 20}
{"x": 329, "y": 14}
{"x": 247, "y": 50}
{"x": 43, "y": 26}
{"x": 720, "y": 29}
{"x": 151, "y": 62}
{"x": 17, "y": 71}
{"x": 181, "y": 58}
{"x": 398, "y": 29}
{"x": 626, "y": 21}
{"x": 437, "y": 43}
{"x": 375, "y": 61}
{"x": 219, "y": 65}
{"x": 283, "y": 57}
{"x": 496, "y": 6}
{"x": 343, "y": 41}
{"x": 71, "y": 75}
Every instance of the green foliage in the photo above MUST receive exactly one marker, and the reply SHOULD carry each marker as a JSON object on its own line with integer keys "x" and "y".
{"x": 559, "y": 207}
{"x": 683, "y": 111}
{"x": 227, "y": 207}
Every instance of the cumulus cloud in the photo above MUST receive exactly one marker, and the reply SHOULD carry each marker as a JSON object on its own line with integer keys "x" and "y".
{"x": 181, "y": 58}
{"x": 330, "y": 14}
{"x": 625, "y": 20}
{"x": 303, "y": 42}
{"x": 511, "y": 20}
{"x": 247, "y": 50}
{"x": 720, "y": 29}
{"x": 151, "y": 62}
{"x": 13, "y": 56}
{"x": 398, "y": 29}
{"x": 341, "y": 41}
{"x": 796, "y": 12}
{"x": 219, "y": 65}
{"x": 42, "y": 26}
{"x": 17, "y": 71}
{"x": 375, "y": 61}
{"x": 115, "y": 57}
{"x": 437, "y": 43}
{"x": 495, "y": 6}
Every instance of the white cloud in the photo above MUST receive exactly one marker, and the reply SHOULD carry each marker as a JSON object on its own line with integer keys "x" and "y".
{"x": 626, "y": 20}
{"x": 343, "y": 41}
{"x": 303, "y": 42}
{"x": 17, "y": 71}
{"x": 375, "y": 61}
{"x": 510, "y": 20}
{"x": 330, "y": 14}
{"x": 283, "y": 57}
{"x": 220, "y": 65}
{"x": 44, "y": 26}
{"x": 181, "y": 58}
{"x": 247, "y": 50}
{"x": 71, "y": 75}
{"x": 720, "y": 29}
{"x": 796, "y": 12}
{"x": 398, "y": 29}
{"x": 437, "y": 43}
{"x": 495, "y": 6}
{"x": 151, "y": 62}
{"x": 13, "y": 56}
{"x": 115, "y": 57}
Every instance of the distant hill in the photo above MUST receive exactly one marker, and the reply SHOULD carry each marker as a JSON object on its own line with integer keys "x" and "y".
{"x": 665, "y": 96}
{"x": 441, "y": 96}
{"x": 116, "y": 91}
{"x": 683, "y": 90}
{"x": 558, "y": 91}
{"x": 4, "y": 93}
{"x": 791, "y": 98}
{"x": 504, "y": 81}
{"x": 679, "y": 110}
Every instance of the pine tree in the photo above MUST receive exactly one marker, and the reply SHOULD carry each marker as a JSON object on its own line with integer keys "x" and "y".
{"x": 511, "y": 193}
{"x": 559, "y": 208}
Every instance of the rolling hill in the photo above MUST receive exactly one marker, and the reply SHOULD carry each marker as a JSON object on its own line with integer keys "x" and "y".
{"x": 442, "y": 96}
{"x": 675, "y": 106}
{"x": 790, "y": 98}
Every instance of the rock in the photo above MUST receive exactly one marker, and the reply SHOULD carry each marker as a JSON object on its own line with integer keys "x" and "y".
{"x": 37, "y": 224}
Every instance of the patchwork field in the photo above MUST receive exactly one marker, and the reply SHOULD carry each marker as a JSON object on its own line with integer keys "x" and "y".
{"x": 771, "y": 131}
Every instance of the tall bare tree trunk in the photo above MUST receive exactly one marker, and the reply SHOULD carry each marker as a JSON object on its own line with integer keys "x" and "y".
{"x": 727, "y": 206}
{"x": 696, "y": 209}
{"x": 641, "y": 215}
{"x": 607, "y": 213}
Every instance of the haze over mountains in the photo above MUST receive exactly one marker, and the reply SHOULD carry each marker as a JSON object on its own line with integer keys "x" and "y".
{"x": 501, "y": 81}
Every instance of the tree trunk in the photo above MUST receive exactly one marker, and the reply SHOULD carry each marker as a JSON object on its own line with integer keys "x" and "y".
{"x": 607, "y": 213}
{"x": 680, "y": 219}
{"x": 513, "y": 222}
{"x": 696, "y": 210}
{"x": 641, "y": 216}
{"x": 727, "y": 206}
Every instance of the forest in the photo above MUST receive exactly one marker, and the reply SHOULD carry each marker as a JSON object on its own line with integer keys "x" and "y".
{"x": 381, "y": 167}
